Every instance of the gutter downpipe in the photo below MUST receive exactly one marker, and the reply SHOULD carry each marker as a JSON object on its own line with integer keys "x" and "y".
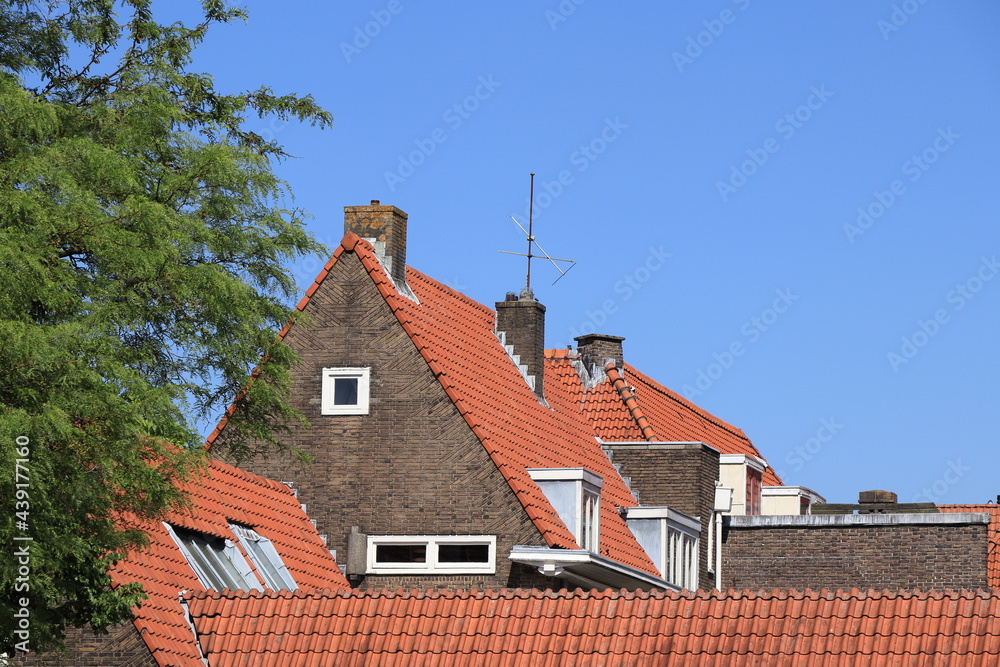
{"x": 718, "y": 551}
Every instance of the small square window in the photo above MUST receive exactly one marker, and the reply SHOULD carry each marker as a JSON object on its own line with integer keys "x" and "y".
{"x": 345, "y": 391}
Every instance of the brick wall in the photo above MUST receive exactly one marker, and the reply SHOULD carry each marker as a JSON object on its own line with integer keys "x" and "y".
{"x": 595, "y": 349}
{"x": 121, "y": 647}
{"x": 855, "y": 551}
{"x": 412, "y": 466}
{"x": 679, "y": 475}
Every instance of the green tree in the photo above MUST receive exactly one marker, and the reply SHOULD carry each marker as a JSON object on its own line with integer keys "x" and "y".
{"x": 143, "y": 239}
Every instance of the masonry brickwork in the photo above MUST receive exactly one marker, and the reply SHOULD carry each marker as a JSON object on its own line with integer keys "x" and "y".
{"x": 121, "y": 647}
{"x": 596, "y": 349}
{"x": 679, "y": 475}
{"x": 523, "y": 321}
{"x": 879, "y": 556}
{"x": 412, "y": 466}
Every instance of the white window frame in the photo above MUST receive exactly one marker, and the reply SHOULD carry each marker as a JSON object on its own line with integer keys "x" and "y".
{"x": 330, "y": 376}
{"x": 583, "y": 519}
{"x": 230, "y": 551}
{"x": 432, "y": 566}
{"x": 679, "y": 537}
{"x": 258, "y": 548}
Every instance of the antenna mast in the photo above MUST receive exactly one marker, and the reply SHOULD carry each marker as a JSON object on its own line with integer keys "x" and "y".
{"x": 526, "y": 293}
{"x": 531, "y": 229}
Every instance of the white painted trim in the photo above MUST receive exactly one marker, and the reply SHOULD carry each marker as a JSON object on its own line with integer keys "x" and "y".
{"x": 743, "y": 459}
{"x": 330, "y": 375}
{"x": 432, "y": 566}
{"x": 554, "y": 563}
{"x": 566, "y": 475}
{"x": 683, "y": 521}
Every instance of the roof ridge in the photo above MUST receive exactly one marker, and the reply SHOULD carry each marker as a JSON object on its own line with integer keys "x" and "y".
{"x": 628, "y": 397}
{"x": 689, "y": 405}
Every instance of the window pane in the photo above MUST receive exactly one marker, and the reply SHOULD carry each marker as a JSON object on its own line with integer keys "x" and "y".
{"x": 345, "y": 391}
{"x": 401, "y": 553}
{"x": 264, "y": 565}
{"x": 209, "y": 554}
{"x": 463, "y": 553}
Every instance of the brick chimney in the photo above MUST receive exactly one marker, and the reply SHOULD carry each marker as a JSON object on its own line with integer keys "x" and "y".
{"x": 385, "y": 227}
{"x": 522, "y": 319}
{"x": 596, "y": 349}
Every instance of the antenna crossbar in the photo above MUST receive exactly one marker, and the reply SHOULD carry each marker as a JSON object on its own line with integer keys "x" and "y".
{"x": 532, "y": 243}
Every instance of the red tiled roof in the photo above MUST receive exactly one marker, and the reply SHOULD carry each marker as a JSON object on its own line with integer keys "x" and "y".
{"x": 992, "y": 538}
{"x": 611, "y": 628}
{"x": 456, "y": 338}
{"x": 222, "y": 495}
{"x": 644, "y": 410}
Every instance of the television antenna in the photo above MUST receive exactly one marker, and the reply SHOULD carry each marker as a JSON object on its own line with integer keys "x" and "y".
{"x": 533, "y": 244}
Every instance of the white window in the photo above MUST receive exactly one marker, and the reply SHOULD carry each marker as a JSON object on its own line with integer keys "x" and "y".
{"x": 217, "y": 562}
{"x": 265, "y": 558}
{"x": 575, "y": 494}
{"x": 345, "y": 391}
{"x": 670, "y": 538}
{"x": 424, "y": 554}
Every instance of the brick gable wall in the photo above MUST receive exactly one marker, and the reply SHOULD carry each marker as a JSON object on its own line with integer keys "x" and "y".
{"x": 121, "y": 647}
{"x": 890, "y": 556}
{"x": 411, "y": 466}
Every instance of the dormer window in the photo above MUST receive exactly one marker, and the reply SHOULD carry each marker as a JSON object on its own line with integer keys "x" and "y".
{"x": 744, "y": 474}
{"x": 575, "y": 494}
{"x": 670, "y": 538}
{"x": 345, "y": 391}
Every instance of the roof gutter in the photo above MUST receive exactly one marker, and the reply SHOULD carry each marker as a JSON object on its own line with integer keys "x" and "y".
{"x": 586, "y": 568}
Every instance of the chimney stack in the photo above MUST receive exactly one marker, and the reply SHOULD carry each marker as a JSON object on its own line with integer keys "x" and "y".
{"x": 385, "y": 227}
{"x": 522, "y": 319}
{"x": 596, "y": 349}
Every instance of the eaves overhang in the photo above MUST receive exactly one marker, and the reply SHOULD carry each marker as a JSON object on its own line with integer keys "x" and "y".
{"x": 587, "y": 569}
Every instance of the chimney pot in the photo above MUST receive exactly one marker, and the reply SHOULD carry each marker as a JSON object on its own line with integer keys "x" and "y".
{"x": 511, "y": 296}
{"x": 375, "y": 202}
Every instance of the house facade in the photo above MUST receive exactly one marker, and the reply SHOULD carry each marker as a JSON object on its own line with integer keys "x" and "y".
{"x": 442, "y": 429}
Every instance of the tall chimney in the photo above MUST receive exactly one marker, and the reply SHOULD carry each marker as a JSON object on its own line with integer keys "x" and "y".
{"x": 385, "y": 227}
{"x": 597, "y": 349}
{"x": 523, "y": 321}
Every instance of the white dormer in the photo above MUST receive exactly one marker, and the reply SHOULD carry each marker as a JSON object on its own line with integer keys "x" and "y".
{"x": 745, "y": 475}
{"x": 789, "y": 500}
{"x": 670, "y": 539}
{"x": 575, "y": 494}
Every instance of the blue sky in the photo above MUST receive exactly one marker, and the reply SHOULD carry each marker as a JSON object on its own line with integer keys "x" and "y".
{"x": 788, "y": 209}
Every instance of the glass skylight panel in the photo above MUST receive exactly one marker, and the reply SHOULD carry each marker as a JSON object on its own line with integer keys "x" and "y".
{"x": 216, "y": 561}
{"x": 266, "y": 559}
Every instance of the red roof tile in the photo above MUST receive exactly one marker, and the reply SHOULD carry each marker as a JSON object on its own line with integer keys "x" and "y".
{"x": 631, "y": 407}
{"x": 222, "y": 495}
{"x": 519, "y": 627}
{"x": 992, "y": 538}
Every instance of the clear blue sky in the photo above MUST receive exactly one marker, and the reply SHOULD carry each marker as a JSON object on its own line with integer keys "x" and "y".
{"x": 823, "y": 176}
